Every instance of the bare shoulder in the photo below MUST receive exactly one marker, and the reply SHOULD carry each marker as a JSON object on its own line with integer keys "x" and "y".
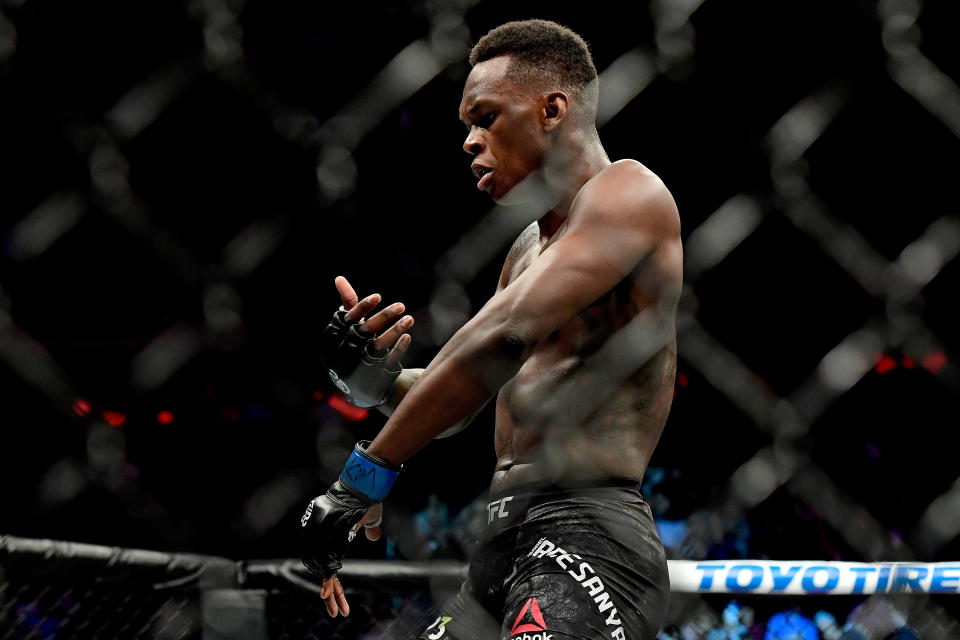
{"x": 524, "y": 241}
{"x": 527, "y": 238}
{"x": 627, "y": 192}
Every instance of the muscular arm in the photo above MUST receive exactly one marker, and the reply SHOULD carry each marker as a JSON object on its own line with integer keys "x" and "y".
{"x": 408, "y": 377}
{"x": 400, "y": 389}
{"x": 406, "y": 380}
{"x": 622, "y": 216}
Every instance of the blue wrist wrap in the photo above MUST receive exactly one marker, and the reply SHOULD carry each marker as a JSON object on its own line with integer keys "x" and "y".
{"x": 368, "y": 474}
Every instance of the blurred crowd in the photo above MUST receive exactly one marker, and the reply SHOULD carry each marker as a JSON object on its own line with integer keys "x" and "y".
{"x": 874, "y": 619}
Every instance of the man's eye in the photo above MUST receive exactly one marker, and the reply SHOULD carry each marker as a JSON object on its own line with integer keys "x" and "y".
{"x": 486, "y": 120}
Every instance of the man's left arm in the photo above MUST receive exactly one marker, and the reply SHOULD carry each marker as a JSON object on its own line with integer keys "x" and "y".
{"x": 621, "y": 217}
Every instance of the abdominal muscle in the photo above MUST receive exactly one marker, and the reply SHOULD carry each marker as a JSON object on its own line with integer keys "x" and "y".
{"x": 554, "y": 425}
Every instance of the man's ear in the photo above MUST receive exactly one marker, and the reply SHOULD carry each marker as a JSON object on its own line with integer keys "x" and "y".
{"x": 555, "y": 109}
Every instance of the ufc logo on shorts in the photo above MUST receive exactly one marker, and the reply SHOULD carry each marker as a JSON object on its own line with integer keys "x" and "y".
{"x": 498, "y": 507}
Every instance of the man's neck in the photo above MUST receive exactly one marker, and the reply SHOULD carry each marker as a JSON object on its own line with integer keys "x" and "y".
{"x": 584, "y": 161}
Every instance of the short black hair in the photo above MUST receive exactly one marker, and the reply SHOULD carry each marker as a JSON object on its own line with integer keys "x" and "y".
{"x": 543, "y": 52}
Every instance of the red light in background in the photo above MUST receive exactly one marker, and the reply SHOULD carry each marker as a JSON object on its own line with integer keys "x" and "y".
{"x": 908, "y": 362}
{"x": 230, "y": 415}
{"x": 81, "y": 407}
{"x": 935, "y": 362}
{"x": 165, "y": 417}
{"x": 114, "y": 418}
{"x": 347, "y": 410}
{"x": 884, "y": 364}
{"x": 682, "y": 381}
{"x": 318, "y": 395}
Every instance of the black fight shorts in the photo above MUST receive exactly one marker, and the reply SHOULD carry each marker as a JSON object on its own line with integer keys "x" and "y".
{"x": 558, "y": 564}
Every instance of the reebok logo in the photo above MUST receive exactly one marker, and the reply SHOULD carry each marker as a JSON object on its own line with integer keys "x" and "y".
{"x": 533, "y": 622}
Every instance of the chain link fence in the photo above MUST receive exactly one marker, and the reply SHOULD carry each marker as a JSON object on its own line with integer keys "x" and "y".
{"x": 51, "y": 589}
{"x": 183, "y": 180}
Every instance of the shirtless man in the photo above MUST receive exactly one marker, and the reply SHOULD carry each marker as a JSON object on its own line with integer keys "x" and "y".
{"x": 579, "y": 346}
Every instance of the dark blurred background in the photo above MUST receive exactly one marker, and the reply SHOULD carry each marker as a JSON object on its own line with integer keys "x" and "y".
{"x": 182, "y": 182}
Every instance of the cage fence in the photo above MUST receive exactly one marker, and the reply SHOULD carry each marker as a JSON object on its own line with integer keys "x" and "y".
{"x": 73, "y": 590}
{"x": 52, "y": 589}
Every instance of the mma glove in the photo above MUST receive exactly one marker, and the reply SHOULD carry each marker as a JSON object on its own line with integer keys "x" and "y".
{"x": 331, "y": 520}
{"x": 354, "y": 364}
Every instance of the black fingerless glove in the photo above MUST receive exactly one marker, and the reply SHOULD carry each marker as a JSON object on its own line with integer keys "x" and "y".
{"x": 329, "y": 524}
{"x": 328, "y": 528}
{"x": 353, "y": 364}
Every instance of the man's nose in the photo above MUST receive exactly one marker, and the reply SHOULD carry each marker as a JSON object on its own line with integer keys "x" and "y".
{"x": 474, "y": 143}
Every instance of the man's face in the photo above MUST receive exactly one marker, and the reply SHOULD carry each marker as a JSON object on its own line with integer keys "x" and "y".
{"x": 505, "y": 123}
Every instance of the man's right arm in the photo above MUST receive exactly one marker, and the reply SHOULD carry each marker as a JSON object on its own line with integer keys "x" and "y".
{"x": 408, "y": 377}
{"x": 405, "y": 382}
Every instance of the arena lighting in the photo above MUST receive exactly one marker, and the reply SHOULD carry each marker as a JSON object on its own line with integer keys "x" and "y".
{"x": 81, "y": 407}
{"x": 935, "y": 362}
{"x": 347, "y": 410}
{"x": 165, "y": 417}
{"x": 885, "y": 364}
{"x": 114, "y": 418}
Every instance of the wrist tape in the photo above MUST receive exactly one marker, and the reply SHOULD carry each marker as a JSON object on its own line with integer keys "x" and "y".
{"x": 367, "y": 474}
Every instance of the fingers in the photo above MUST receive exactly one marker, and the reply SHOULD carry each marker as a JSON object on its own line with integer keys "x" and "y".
{"x": 333, "y": 597}
{"x": 341, "y": 600}
{"x": 403, "y": 344}
{"x": 362, "y": 308}
{"x": 347, "y": 294}
{"x": 392, "y": 335}
{"x": 326, "y": 592}
{"x": 331, "y": 604}
{"x": 371, "y": 522}
{"x": 377, "y": 323}
{"x": 357, "y": 310}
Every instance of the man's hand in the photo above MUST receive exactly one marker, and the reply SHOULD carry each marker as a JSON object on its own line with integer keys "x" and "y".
{"x": 331, "y": 590}
{"x": 362, "y": 364}
{"x": 329, "y": 525}
{"x": 396, "y": 336}
{"x": 333, "y": 519}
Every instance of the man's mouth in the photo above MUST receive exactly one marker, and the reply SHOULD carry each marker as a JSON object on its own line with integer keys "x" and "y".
{"x": 483, "y": 174}
{"x": 485, "y": 180}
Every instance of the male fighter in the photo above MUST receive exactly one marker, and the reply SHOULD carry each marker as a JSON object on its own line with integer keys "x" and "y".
{"x": 578, "y": 345}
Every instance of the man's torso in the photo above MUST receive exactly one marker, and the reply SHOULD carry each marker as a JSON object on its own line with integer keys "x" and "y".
{"x": 558, "y": 421}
